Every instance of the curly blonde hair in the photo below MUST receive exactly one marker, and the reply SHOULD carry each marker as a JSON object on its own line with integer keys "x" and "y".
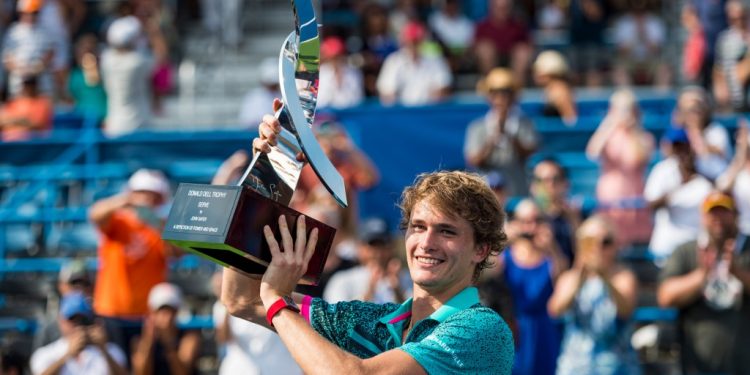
{"x": 465, "y": 195}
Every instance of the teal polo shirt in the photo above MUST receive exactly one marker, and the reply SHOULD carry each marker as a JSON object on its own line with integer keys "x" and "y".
{"x": 462, "y": 336}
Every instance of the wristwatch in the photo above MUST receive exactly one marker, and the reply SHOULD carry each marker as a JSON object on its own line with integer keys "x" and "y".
{"x": 284, "y": 302}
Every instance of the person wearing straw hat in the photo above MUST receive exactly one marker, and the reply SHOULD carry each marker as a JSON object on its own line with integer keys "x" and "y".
{"x": 503, "y": 138}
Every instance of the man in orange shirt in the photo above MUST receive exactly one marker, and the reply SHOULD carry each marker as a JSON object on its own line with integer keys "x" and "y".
{"x": 132, "y": 256}
{"x": 27, "y": 113}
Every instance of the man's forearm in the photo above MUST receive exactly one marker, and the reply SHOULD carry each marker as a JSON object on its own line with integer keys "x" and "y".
{"x": 241, "y": 295}
{"x": 313, "y": 353}
{"x": 114, "y": 367}
{"x": 55, "y": 368}
{"x": 681, "y": 290}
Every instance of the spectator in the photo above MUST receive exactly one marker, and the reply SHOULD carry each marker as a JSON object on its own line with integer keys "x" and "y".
{"x": 732, "y": 74}
{"x": 340, "y": 83}
{"x": 712, "y": 16}
{"x": 132, "y": 255}
{"x": 639, "y": 37}
{"x": 551, "y": 17}
{"x": 377, "y": 43}
{"x": 588, "y": 24}
{"x": 503, "y": 138}
{"x": 708, "y": 281}
{"x": 61, "y": 18}
{"x": 411, "y": 77}
{"x": 73, "y": 278}
{"x": 85, "y": 84}
{"x": 163, "y": 348}
{"x": 83, "y": 347}
{"x": 549, "y": 190}
{"x": 356, "y": 168}
{"x": 454, "y": 31}
{"x": 28, "y": 49}
{"x": 126, "y": 72}
{"x": 379, "y": 277}
{"x": 530, "y": 266}
{"x": 502, "y": 40}
{"x": 596, "y": 298}
{"x": 694, "y": 50}
{"x": 28, "y": 113}
{"x": 675, "y": 191}
{"x": 256, "y": 100}
{"x": 223, "y": 19}
{"x": 736, "y": 180}
{"x": 709, "y": 140}
{"x": 551, "y": 72}
{"x": 250, "y": 348}
{"x": 624, "y": 150}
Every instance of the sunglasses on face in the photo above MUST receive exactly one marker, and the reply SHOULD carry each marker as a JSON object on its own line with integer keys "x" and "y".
{"x": 503, "y": 91}
{"x": 554, "y": 179}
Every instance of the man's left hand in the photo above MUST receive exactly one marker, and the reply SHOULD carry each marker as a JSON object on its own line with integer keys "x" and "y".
{"x": 289, "y": 261}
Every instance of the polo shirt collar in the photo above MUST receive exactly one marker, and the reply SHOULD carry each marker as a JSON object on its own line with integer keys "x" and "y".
{"x": 463, "y": 300}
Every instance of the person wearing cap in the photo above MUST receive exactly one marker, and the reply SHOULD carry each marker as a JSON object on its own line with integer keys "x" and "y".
{"x": 28, "y": 113}
{"x": 83, "y": 347}
{"x": 257, "y": 98}
{"x": 502, "y": 139}
{"x": 73, "y": 278}
{"x": 379, "y": 278}
{"x": 162, "y": 348}
{"x": 341, "y": 85}
{"x": 126, "y": 73}
{"x": 28, "y": 49}
{"x": 132, "y": 256}
{"x": 674, "y": 190}
{"x": 409, "y": 76}
{"x": 551, "y": 72}
{"x": 708, "y": 281}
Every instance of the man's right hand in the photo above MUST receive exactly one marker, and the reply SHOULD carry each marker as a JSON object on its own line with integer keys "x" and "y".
{"x": 77, "y": 342}
{"x": 268, "y": 132}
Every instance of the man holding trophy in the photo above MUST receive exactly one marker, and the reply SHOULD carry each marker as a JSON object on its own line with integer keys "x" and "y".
{"x": 453, "y": 227}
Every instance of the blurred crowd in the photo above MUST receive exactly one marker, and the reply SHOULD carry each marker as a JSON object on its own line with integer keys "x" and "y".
{"x": 561, "y": 284}
{"x": 108, "y": 62}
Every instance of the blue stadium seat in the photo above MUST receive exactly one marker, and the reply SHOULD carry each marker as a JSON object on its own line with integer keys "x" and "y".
{"x": 18, "y": 238}
{"x": 76, "y": 238}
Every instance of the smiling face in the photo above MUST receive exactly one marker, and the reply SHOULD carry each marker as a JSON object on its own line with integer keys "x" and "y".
{"x": 440, "y": 250}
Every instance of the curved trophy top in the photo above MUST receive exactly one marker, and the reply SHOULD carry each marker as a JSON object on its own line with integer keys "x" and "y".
{"x": 299, "y": 65}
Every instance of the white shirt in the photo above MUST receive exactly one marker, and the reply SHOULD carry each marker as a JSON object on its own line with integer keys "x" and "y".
{"x": 413, "y": 82}
{"x": 126, "y": 76}
{"x": 679, "y": 221}
{"x": 626, "y": 34}
{"x": 89, "y": 361}
{"x": 27, "y": 45}
{"x": 352, "y": 284}
{"x": 713, "y": 165}
{"x": 455, "y": 32}
{"x": 741, "y": 194}
{"x": 344, "y": 93}
{"x": 255, "y": 104}
{"x": 253, "y": 349}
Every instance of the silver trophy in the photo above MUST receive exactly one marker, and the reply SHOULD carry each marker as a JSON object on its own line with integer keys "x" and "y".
{"x": 225, "y": 223}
